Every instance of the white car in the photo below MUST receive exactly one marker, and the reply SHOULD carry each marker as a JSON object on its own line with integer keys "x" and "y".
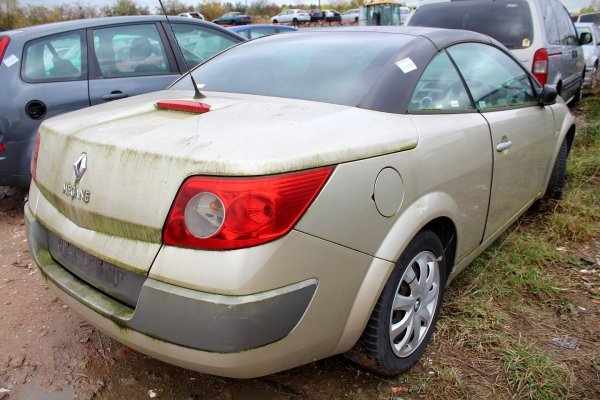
{"x": 193, "y": 14}
{"x": 351, "y": 16}
{"x": 591, "y": 53}
{"x": 295, "y": 15}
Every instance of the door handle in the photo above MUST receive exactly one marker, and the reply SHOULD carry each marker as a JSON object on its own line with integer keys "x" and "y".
{"x": 114, "y": 95}
{"x": 505, "y": 144}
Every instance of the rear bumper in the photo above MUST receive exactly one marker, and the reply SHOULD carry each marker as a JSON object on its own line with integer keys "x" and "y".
{"x": 190, "y": 318}
{"x": 238, "y": 336}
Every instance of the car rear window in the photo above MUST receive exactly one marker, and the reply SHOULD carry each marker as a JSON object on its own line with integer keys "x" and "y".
{"x": 592, "y": 17}
{"x": 312, "y": 66}
{"x": 508, "y": 21}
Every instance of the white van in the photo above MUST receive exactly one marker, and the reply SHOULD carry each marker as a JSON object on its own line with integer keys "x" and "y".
{"x": 539, "y": 33}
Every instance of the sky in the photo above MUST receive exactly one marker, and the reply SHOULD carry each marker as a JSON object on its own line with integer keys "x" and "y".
{"x": 572, "y": 5}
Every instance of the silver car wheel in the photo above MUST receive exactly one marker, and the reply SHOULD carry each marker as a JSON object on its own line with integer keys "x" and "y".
{"x": 414, "y": 304}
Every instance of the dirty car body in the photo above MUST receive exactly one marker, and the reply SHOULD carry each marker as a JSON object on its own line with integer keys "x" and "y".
{"x": 268, "y": 225}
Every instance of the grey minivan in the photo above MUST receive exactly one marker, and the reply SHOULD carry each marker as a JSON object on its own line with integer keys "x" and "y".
{"x": 50, "y": 69}
{"x": 540, "y": 33}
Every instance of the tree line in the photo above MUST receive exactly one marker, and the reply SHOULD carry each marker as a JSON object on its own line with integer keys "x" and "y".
{"x": 14, "y": 15}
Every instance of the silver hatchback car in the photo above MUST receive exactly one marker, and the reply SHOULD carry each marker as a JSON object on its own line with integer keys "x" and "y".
{"x": 540, "y": 34}
{"x": 299, "y": 207}
{"x": 50, "y": 69}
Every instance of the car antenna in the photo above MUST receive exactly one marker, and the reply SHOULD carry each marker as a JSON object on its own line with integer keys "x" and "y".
{"x": 198, "y": 94}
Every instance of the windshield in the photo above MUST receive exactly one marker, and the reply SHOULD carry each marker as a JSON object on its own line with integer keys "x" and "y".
{"x": 507, "y": 21}
{"x": 324, "y": 67}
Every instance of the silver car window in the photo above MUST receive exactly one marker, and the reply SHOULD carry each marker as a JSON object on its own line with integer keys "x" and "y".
{"x": 440, "y": 89}
{"x": 494, "y": 79}
{"x": 508, "y": 21}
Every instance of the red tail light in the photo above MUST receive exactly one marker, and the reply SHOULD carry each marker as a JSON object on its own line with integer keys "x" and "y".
{"x": 3, "y": 46}
{"x": 232, "y": 213}
{"x": 34, "y": 156}
{"x": 2, "y": 147}
{"x": 540, "y": 66}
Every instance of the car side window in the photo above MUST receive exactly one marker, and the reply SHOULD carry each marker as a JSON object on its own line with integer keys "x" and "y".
{"x": 550, "y": 23}
{"x": 440, "y": 88}
{"x": 132, "y": 50}
{"x": 260, "y": 32}
{"x": 568, "y": 35}
{"x": 494, "y": 80}
{"x": 198, "y": 43}
{"x": 55, "y": 58}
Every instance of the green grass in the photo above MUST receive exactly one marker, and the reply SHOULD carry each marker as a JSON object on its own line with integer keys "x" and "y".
{"x": 533, "y": 375}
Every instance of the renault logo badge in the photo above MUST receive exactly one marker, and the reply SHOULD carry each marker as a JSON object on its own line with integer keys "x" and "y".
{"x": 80, "y": 167}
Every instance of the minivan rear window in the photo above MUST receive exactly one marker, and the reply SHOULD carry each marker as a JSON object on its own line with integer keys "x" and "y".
{"x": 591, "y": 17}
{"x": 508, "y": 21}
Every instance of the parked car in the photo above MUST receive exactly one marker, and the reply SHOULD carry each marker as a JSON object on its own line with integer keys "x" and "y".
{"x": 351, "y": 16}
{"x": 193, "y": 14}
{"x": 259, "y": 30}
{"x": 316, "y": 15}
{"x": 54, "y": 68}
{"x": 332, "y": 16}
{"x": 540, "y": 33}
{"x": 594, "y": 18}
{"x": 295, "y": 16}
{"x": 591, "y": 52}
{"x": 240, "y": 235}
{"x": 233, "y": 18}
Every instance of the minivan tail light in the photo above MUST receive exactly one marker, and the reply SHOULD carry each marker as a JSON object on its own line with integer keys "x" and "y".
{"x": 3, "y": 46}
{"x": 34, "y": 156}
{"x": 540, "y": 65}
{"x": 231, "y": 213}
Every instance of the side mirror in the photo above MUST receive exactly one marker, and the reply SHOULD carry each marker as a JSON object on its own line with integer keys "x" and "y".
{"x": 548, "y": 95}
{"x": 585, "y": 38}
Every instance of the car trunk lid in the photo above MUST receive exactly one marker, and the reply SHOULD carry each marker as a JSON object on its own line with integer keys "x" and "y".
{"x": 137, "y": 156}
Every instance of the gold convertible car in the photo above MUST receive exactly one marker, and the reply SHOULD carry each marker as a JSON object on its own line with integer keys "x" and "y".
{"x": 304, "y": 195}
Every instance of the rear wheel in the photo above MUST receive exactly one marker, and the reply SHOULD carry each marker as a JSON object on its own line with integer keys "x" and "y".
{"x": 405, "y": 315}
{"x": 579, "y": 93}
{"x": 556, "y": 184}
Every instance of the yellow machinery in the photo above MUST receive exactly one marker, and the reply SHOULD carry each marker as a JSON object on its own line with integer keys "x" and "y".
{"x": 383, "y": 12}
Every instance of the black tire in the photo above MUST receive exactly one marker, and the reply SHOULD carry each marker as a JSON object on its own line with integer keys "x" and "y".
{"x": 275, "y": 21}
{"x": 295, "y": 22}
{"x": 389, "y": 353}
{"x": 555, "y": 187}
{"x": 579, "y": 93}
